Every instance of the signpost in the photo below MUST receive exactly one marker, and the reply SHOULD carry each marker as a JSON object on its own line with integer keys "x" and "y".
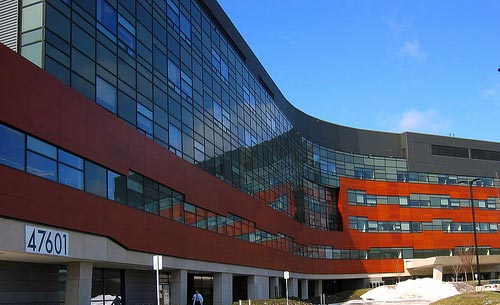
{"x": 286, "y": 275}
{"x": 157, "y": 265}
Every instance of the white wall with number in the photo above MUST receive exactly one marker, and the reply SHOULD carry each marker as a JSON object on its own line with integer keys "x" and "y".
{"x": 46, "y": 241}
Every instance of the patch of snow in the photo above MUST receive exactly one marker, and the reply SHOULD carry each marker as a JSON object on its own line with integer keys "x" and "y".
{"x": 425, "y": 288}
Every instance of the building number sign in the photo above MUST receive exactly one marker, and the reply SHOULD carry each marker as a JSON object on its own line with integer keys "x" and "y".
{"x": 46, "y": 241}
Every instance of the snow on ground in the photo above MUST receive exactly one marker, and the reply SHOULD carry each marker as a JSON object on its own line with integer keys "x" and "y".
{"x": 426, "y": 288}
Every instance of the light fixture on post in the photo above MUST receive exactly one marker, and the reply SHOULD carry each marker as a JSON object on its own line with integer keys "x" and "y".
{"x": 478, "y": 272}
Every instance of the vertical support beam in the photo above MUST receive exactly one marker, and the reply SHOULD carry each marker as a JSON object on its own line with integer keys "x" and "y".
{"x": 318, "y": 288}
{"x": 223, "y": 289}
{"x": 437, "y": 272}
{"x": 258, "y": 287}
{"x": 293, "y": 288}
{"x": 305, "y": 289}
{"x": 274, "y": 288}
{"x": 178, "y": 289}
{"x": 78, "y": 283}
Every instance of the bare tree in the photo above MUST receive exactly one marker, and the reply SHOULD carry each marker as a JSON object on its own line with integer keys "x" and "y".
{"x": 457, "y": 269}
{"x": 466, "y": 255}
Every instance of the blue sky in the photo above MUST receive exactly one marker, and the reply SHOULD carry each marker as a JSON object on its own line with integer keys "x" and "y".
{"x": 423, "y": 66}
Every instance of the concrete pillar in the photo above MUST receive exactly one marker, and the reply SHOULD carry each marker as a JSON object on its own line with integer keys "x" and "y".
{"x": 78, "y": 283}
{"x": 258, "y": 287}
{"x": 318, "y": 288}
{"x": 437, "y": 272}
{"x": 274, "y": 287}
{"x": 223, "y": 289}
{"x": 305, "y": 289}
{"x": 293, "y": 288}
{"x": 178, "y": 288}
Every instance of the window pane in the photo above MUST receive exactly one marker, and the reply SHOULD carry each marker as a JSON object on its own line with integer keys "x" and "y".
{"x": 174, "y": 74}
{"x": 135, "y": 190}
{"x": 127, "y": 39}
{"x": 174, "y": 137}
{"x": 42, "y": 147}
{"x": 144, "y": 124}
{"x": 165, "y": 198}
{"x": 116, "y": 187}
{"x": 32, "y": 17}
{"x": 70, "y": 176}
{"x": 106, "y": 15}
{"x": 70, "y": 159}
{"x": 106, "y": 95}
{"x": 185, "y": 25}
{"x": 41, "y": 166}
{"x": 11, "y": 148}
{"x": 95, "y": 179}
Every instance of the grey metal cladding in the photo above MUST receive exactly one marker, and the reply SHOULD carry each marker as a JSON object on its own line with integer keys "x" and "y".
{"x": 9, "y": 23}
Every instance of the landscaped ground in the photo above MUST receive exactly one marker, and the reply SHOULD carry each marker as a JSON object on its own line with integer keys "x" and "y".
{"x": 467, "y": 297}
{"x": 471, "y": 298}
{"x": 337, "y": 298}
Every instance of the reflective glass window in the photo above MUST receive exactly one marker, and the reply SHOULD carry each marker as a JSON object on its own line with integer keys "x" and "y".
{"x": 42, "y": 148}
{"x": 70, "y": 169}
{"x": 41, "y": 159}
{"x": 165, "y": 201}
{"x": 217, "y": 111}
{"x": 32, "y": 17}
{"x": 95, "y": 179}
{"x": 174, "y": 74}
{"x": 106, "y": 95}
{"x": 106, "y": 15}
{"x": 11, "y": 147}
{"x": 185, "y": 25}
{"x": 70, "y": 176}
{"x": 144, "y": 119}
{"x": 224, "y": 70}
{"x": 41, "y": 166}
{"x": 173, "y": 14}
{"x": 151, "y": 196}
{"x": 70, "y": 159}
{"x": 186, "y": 84}
{"x": 116, "y": 187}
{"x": 174, "y": 137}
{"x": 126, "y": 35}
{"x": 135, "y": 190}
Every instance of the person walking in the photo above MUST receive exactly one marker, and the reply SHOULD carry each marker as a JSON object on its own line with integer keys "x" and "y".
{"x": 197, "y": 298}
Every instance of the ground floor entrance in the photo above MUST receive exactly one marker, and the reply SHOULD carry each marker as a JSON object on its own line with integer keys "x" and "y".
{"x": 76, "y": 268}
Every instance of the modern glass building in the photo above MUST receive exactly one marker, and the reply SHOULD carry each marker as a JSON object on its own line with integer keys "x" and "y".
{"x": 130, "y": 129}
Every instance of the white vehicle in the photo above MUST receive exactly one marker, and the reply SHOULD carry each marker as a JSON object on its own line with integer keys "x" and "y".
{"x": 492, "y": 285}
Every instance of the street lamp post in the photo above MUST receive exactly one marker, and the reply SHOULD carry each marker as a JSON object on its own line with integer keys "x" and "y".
{"x": 474, "y": 226}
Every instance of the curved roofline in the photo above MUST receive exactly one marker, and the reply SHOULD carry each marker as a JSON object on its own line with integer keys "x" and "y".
{"x": 324, "y": 133}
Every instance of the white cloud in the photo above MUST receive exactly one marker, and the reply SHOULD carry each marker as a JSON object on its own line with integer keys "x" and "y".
{"x": 394, "y": 26}
{"x": 492, "y": 92}
{"x": 429, "y": 121}
{"x": 412, "y": 50}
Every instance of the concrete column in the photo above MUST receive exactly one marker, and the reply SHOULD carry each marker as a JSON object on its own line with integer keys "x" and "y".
{"x": 78, "y": 283}
{"x": 318, "y": 288}
{"x": 437, "y": 272}
{"x": 258, "y": 287}
{"x": 274, "y": 288}
{"x": 293, "y": 288}
{"x": 305, "y": 289}
{"x": 223, "y": 289}
{"x": 178, "y": 288}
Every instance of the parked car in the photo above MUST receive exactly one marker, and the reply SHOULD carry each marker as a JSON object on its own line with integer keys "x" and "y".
{"x": 492, "y": 285}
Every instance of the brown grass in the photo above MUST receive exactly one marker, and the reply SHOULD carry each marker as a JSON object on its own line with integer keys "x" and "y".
{"x": 471, "y": 298}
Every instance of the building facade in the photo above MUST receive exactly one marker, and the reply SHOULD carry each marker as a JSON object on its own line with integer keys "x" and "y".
{"x": 130, "y": 129}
